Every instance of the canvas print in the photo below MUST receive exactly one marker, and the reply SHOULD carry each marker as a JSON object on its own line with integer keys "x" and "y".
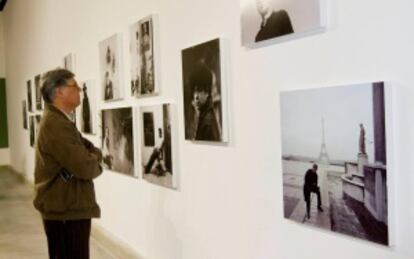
{"x": 88, "y": 107}
{"x": 69, "y": 62}
{"x": 204, "y": 92}
{"x": 156, "y": 150}
{"x": 38, "y": 94}
{"x": 334, "y": 159}
{"x": 24, "y": 109}
{"x": 110, "y": 67}
{"x": 143, "y": 53}
{"x": 117, "y": 140}
{"x": 29, "y": 96}
{"x": 263, "y": 20}
{"x": 32, "y": 130}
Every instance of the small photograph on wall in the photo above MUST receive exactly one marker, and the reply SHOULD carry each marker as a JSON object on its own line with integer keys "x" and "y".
{"x": 143, "y": 54}
{"x": 334, "y": 159}
{"x": 204, "y": 92}
{"x": 117, "y": 140}
{"x": 32, "y": 130}
{"x": 38, "y": 94}
{"x": 24, "y": 114}
{"x": 29, "y": 96}
{"x": 38, "y": 118}
{"x": 110, "y": 68}
{"x": 69, "y": 62}
{"x": 263, "y": 20}
{"x": 156, "y": 149}
{"x": 88, "y": 107}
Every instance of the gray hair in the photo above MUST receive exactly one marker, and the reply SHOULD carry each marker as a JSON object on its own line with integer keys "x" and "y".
{"x": 52, "y": 80}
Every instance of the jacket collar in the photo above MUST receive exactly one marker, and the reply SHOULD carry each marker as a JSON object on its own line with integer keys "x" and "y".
{"x": 50, "y": 108}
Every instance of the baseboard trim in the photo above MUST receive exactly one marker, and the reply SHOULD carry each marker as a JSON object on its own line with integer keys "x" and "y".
{"x": 114, "y": 245}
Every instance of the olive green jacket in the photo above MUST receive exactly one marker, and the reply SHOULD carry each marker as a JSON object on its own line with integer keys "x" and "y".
{"x": 60, "y": 146}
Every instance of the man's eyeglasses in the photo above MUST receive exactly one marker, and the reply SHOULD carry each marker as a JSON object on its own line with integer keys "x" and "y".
{"x": 74, "y": 85}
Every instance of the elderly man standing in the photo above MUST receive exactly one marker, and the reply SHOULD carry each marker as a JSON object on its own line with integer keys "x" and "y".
{"x": 65, "y": 164}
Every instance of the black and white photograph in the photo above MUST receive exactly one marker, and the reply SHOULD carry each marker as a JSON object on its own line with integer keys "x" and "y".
{"x": 29, "y": 96}
{"x": 156, "y": 149}
{"x": 117, "y": 140}
{"x": 24, "y": 114}
{"x": 334, "y": 159}
{"x": 69, "y": 62}
{"x": 88, "y": 115}
{"x": 263, "y": 20}
{"x": 32, "y": 130}
{"x": 110, "y": 63}
{"x": 203, "y": 91}
{"x": 143, "y": 54}
{"x": 38, "y": 94}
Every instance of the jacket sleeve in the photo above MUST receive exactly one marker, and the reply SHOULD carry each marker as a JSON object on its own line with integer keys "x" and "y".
{"x": 67, "y": 148}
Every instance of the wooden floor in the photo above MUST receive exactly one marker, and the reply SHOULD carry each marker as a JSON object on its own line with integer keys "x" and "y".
{"x": 21, "y": 229}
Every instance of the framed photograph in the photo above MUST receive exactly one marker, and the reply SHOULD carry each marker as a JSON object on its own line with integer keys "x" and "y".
{"x": 117, "y": 140}
{"x": 32, "y": 130}
{"x": 24, "y": 114}
{"x": 69, "y": 62}
{"x": 38, "y": 118}
{"x": 110, "y": 61}
{"x": 29, "y": 96}
{"x": 203, "y": 89}
{"x": 263, "y": 20}
{"x": 88, "y": 114}
{"x": 144, "y": 54}
{"x": 157, "y": 154}
{"x": 38, "y": 94}
{"x": 334, "y": 159}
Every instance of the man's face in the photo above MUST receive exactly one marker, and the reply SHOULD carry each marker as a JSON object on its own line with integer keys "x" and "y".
{"x": 263, "y": 6}
{"x": 71, "y": 93}
{"x": 199, "y": 98}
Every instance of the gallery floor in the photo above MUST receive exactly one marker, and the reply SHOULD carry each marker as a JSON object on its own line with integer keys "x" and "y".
{"x": 21, "y": 230}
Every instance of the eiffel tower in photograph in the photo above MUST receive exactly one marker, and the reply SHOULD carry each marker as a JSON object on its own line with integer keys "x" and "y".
{"x": 323, "y": 155}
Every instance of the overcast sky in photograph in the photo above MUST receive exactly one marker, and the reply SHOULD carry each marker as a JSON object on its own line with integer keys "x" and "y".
{"x": 342, "y": 108}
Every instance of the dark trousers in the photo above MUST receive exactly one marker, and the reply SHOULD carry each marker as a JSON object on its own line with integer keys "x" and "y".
{"x": 68, "y": 239}
{"x": 307, "y": 193}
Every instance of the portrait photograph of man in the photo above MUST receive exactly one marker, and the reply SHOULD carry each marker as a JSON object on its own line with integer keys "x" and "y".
{"x": 203, "y": 92}
{"x": 29, "y": 96}
{"x": 334, "y": 159}
{"x": 88, "y": 107}
{"x": 142, "y": 53}
{"x": 38, "y": 95}
{"x": 110, "y": 64}
{"x": 263, "y": 20}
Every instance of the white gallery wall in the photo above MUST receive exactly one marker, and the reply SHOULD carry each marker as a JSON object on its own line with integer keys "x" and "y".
{"x": 4, "y": 152}
{"x": 230, "y": 200}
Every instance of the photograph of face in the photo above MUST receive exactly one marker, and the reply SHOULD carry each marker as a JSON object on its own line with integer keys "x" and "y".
{"x": 110, "y": 68}
{"x": 142, "y": 58}
{"x": 271, "y": 19}
{"x": 157, "y": 159}
{"x": 38, "y": 94}
{"x": 69, "y": 62}
{"x": 117, "y": 140}
{"x": 334, "y": 159}
{"x": 88, "y": 107}
{"x": 32, "y": 130}
{"x": 24, "y": 114}
{"x": 202, "y": 87}
{"x": 29, "y": 96}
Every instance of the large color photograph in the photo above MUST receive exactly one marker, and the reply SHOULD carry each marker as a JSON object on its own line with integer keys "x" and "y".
{"x": 334, "y": 159}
